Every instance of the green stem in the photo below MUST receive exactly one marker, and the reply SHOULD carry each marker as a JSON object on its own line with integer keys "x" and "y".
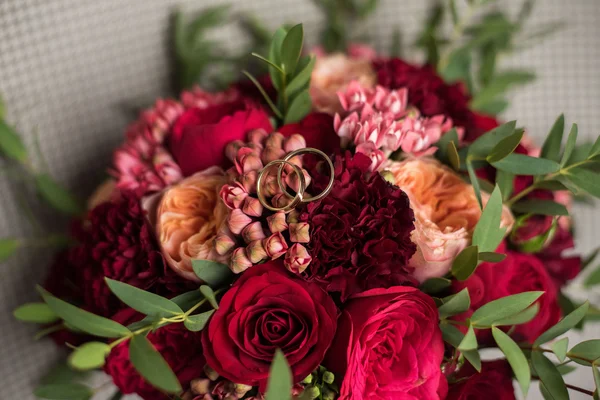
{"x": 570, "y": 355}
{"x": 195, "y": 307}
{"x": 457, "y": 33}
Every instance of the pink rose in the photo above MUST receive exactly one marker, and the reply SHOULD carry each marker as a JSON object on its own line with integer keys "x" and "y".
{"x": 388, "y": 346}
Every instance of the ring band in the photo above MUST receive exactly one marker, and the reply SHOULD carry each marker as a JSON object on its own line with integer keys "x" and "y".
{"x": 297, "y": 199}
{"x": 307, "y": 150}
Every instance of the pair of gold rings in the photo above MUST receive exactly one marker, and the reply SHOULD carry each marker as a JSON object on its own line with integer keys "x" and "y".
{"x": 298, "y": 197}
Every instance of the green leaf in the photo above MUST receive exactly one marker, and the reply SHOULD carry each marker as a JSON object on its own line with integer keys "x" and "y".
{"x": 588, "y": 350}
{"x": 442, "y": 144}
{"x": 8, "y": 247}
{"x": 474, "y": 182}
{"x": 455, "y": 304}
{"x": 435, "y": 285}
{"x": 491, "y": 257}
{"x": 451, "y": 334}
{"x": 570, "y": 146}
{"x": 560, "y": 348}
{"x": 465, "y": 263}
{"x": 596, "y": 374}
{"x": 57, "y": 196}
{"x": 208, "y": 293}
{"x": 197, "y": 322}
{"x": 589, "y": 259}
{"x": 469, "y": 342}
{"x": 145, "y": 302}
{"x": 504, "y": 180}
{"x": 89, "y": 355}
{"x": 302, "y": 78}
{"x": 483, "y": 145}
{"x": 493, "y": 107}
{"x": 291, "y": 48}
{"x": 453, "y": 156}
{"x": 488, "y": 234}
{"x": 299, "y": 107}
{"x": 520, "y": 164}
{"x": 188, "y": 299}
{"x": 550, "y": 378}
{"x": 396, "y": 43}
{"x": 502, "y": 308}
{"x": 151, "y": 365}
{"x": 565, "y": 369}
{"x": 540, "y": 207}
{"x": 38, "y": 313}
{"x": 593, "y": 278}
{"x": 552, "y": 144}
{"x": 458, "y": 67}
{"x": 595, "y": 150}
{"x": 11, "y": 144}
{"x": 551, "y": 185}
{"x": 521, "y": 318}
{"x": 279, "y": 386}
{"x": 567, "y": 323}
{"x": 212, "y": 273}
{"x": 83, "y": 320}
{"x": 62, "y": 373}
{"x": 275, "y": 56}
{"x": 264, "y": 94}
{"x": 584, "y": 179}
{"x": 499, "y": 84}
{"x": 515, "y": 358}
{"x": 505, "y": 146}
{"x": 64, "y": 391}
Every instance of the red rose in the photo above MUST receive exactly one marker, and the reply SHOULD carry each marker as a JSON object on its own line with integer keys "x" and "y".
{"x": 266, "y": 309}
{"x": 561, "y": 268}
{"x": 494, "y": 382}
{"x": 181, "y": 349}
{"x": 516, "y": 274}
{"x": 199, "y": 136}
{"x": 388, "y": 346}
{"x": 317, "y": 129}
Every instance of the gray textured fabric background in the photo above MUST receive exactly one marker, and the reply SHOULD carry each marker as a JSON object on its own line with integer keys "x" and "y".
{"x": 68, "y": 66}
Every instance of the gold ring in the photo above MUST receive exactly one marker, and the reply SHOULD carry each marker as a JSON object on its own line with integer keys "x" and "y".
{"x": 307, "y": 150}
{"x": 297, "y": 199}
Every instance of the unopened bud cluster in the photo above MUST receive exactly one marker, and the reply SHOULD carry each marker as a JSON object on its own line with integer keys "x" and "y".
{"x": 320, "y": 385}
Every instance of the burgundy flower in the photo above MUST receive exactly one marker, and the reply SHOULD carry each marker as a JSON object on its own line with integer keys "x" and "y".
{"x": 561, "y": 268}
{"x": 317, "y": 129}
{"x": 360, "y": 232}
{"x": 494, "y": 382}
{"x": 182, "y": 349}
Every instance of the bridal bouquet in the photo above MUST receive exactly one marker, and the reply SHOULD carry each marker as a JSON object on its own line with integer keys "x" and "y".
{"x": 346, "y": 226}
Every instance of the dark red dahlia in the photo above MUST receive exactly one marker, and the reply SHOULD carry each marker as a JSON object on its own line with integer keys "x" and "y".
{"x": 360, "y": 232}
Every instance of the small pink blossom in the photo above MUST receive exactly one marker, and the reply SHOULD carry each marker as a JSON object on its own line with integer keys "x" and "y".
{"x": 297, "y": 259}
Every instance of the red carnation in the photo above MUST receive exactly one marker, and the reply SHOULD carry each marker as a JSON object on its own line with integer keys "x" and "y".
{"x": 360, "y": 232}
{"x": 181, "y": 349}
{"x": 494, "y": 382}
{"x": 317, "y": 129}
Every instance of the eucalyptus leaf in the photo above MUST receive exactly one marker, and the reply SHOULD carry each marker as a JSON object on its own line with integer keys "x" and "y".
{"x": 435, "y": 285}
{"x": 515, "y": 358}
{"x": 491, "y": 257}
{"x": 483, "y": 145}
{"x": 585, "y": 353}
{"x": 469, "y": 342}
{"x": 279, "y": 386}
{"x": 560, "y": 348}
{"x": 552, "y": 144}
{"x": 589, "y": 259}
{"x": 11, "y": 144}
{"x": 500, "y": 84}
{"x": 505, "y": 146}
{"x": 442, "y": 144}
{"x": 83, "y": 320}
{"x": 451, "y": 334}
{"x": 584, "y": 179}
{"x": 301, "y": 79}
{"x": 453, "y": 156}
{"x": 493, "y": 107}
{"x": 595, "y": 150}
{"x": 57, "y": 196}
{"x": 593, "y": 278}
{"x": 553, "y": 185}
{"x": 564, "y": 325}
{"x": 291, "y": 49}
{"x": 89, "y": 356}
{"x": 473, "y": 357}
{"x": 299, "y": 107}
{"x": 64, "y": 391}
{"x": 208, "y": 293}
{"x": 455, "y": 304}
{"x": 8, "y": 247}
{"x": 145, "y": 302}
{"x": 521, "y": 164}
{"x": 521, "y": 318}
{"x": 540, "y": 207}
{"x": 550, "y": 378}
{"x": 596, "y": 375}
{"x": 275, "y": 56}
{"x": 188, "y": 299}
{"x": 569, "y": 146}
{"x": 465, "y": 263}
{"x": 197, "y": 322}
{"x": 474, "y": 183}
{"x": 151, "y": 365}
{"x": 212, "y": 273}
{"x": 504, "y": 180}
{"x": 38, "y": 313}
{"x": 504, "y": 307}
{"x": 488, "y": 234}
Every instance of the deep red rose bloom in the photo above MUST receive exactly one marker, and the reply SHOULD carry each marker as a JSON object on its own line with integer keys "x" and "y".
{"x": 494, "y": 382}
{"x": 388, "y": 346}
{"x": 516, "y": 274}
{"x": 199, "y": 136}
{"x": 181, "y": 349}
{"x": 266, "y": 309}
{"x": 317, "y": 129}
{"x": 432, "y": 96}
{"x": 562, "y": 268}
{"x": 360, "y": 232}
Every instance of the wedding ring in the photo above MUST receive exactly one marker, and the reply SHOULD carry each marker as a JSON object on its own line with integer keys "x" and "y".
{"x": 296, "y": 199}
{"x": 307, "y": 150}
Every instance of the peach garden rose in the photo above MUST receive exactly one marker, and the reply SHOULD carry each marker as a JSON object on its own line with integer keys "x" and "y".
{"x": 446, "y": 212}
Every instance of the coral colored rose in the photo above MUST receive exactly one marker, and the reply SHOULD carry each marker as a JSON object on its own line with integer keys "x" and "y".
{"x": 388, "y": 346}
{"x": 333, "y": 73}
{"x": 494, "y": 382}
{"x": 317, "y": 129}
{"x": 188, "y": 218}
{"x": 181, "y": 348}
{"x": 266, "y": 309}
{"x": 446, "y": 212}
{"x": 516, "y": 274}
{"x": 199, "y": 136}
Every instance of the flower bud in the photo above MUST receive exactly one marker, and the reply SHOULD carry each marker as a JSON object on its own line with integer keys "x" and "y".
{"x": 233, "y": 195}
{"x": 277, "y": 222}
{"x": 237, "y": 221}
{"x": 292, "y": 180}
{"x": 280, "y": 200}
{"x": 293, "y": 216}
{"x": 257, "y": 136}
{"x": 271, "y": 153}
{"x": 297, "y": 259}
{"x": 294, "y": 142}
{"x": 275, "y": 245}
{"x": 239, "y": 261}
{"x": 232, "y": 148}
{"x": 223, "y": 242}
{"x": 252, "y": 232}
{"x": 252, "y": 207}
{"x": 256, "y": 252}
{"x": 328, "y": 394}
{"x": 200, "y": 386}
{"x": 275, "y": 139}
{"x": 270, "y": 186}
{"x": 210, "y": 373}
{"x": 248, "y": 181}
{"x": 299, "y": 232}
{"x": 248, "y": 162}
{"x": 312, "y": 392}
{"x": 328, "y": 377}
{"x": 240, "y": 390}
{"x": 308, "y": 380}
